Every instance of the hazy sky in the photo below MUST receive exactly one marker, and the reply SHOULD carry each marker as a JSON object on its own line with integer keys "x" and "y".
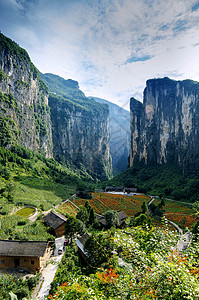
{"x": 111, "y": 47}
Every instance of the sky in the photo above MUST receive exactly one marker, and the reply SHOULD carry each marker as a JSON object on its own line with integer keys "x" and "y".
{"x": 111, "y": 47}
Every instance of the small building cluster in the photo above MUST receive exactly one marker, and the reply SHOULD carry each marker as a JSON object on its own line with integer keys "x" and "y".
{"x": 120, "y": 189}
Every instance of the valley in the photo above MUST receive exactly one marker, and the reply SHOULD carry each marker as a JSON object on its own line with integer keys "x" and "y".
{"x": 59, "y": 150}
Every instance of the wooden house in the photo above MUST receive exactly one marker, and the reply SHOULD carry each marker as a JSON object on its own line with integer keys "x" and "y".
{"x": 56, "y": 222}
{"x": 24, "y": 255}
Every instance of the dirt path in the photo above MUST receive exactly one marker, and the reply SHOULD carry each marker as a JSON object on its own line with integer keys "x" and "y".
{"x": 49, "y": 272}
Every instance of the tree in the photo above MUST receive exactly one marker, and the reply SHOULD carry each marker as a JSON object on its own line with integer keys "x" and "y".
{"x": 98, "y": 248}
{"x": 196, "y": 207}
{"x": 92, "y": 217}
{"x": 83, "y": 215}
{"x": 111, "y": 217}
{"x": 143, "y": 207}
{"x": 74, "y": 226}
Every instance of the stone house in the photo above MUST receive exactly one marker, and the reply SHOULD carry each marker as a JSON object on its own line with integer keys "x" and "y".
{"x": 56, "y": 222}
{"x": 24, "y": 255}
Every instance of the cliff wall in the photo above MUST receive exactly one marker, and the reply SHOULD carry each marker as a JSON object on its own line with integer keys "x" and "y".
{"x": 24, "y": 110}
{"x": 80, "y": 127}
{"x": 165, "y": 128}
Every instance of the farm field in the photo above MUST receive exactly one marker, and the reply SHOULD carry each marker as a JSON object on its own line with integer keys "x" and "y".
{"x": 68, "y": 209}
{"x": 104, "y": 201}
{"x": 182, "y": 214}
{"x": 34, "y": 192}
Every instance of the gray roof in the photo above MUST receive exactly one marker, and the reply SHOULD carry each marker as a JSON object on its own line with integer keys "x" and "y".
{"x": 83, "y": 238}
{"x": 54, "y": 220}
{"x": 121, "y": 216}
{"x": 22, "y": 248}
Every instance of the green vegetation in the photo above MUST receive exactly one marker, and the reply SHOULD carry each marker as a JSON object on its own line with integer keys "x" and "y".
{"x": 2, "y": 75}
{"x": 25, "y": 212}
{"x": 28, "y": 178}
{"x": 167, "y": 180}
{"x": 68, "y": 92}
{"x": 21, "y": 58}
{"x": 150, "y": 268}
{"x": 22, "y": 288}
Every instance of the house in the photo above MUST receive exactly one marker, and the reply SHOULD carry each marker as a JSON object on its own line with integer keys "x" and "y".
{"x": 114, "y": 189}
{"x": 130, "y": 190}
{"x": 24, "y": 255}
{"x": 80, "y": 244}
{"x": 56, "y": 222}
{"x": 121, "y": 218}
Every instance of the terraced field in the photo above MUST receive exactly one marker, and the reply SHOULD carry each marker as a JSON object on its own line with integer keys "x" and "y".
{"x": 180, "y": 213}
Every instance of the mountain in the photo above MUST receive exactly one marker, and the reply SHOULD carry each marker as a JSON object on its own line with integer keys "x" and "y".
{"x": 165, "y": 128}
{"x": 24, "y": 111}
{"x": 80, "y": 127}
{"x": 64, "y": 125}
{"x": 119, "y": 135}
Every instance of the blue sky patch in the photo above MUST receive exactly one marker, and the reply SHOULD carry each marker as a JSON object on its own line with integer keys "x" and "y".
{"x": 137, "y": 59}
{"x": 195, "y": 7}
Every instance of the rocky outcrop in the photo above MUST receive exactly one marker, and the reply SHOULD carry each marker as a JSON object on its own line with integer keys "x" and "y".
{"x": 24, "y": 110}
{"x": 80, "y": 127}
{"x": 119, "y": 135}
{"x": 165, "y": 128}
{"x": 64, "y": 125}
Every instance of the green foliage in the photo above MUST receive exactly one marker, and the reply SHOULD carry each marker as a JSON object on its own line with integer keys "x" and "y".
{"x": 143, "y": 207}
{"x": 2, "y": 75}
{"x": 167, "y": 180}
{"x": 22, "y": 288}
{"x": 68, "y": 92}
{"x": 98, "y": 248}
{"x": 83, "y": 215}
{"x": 31, "y": 231}
{"x": 111, "y": 217}
{"x": 74, "y": 226}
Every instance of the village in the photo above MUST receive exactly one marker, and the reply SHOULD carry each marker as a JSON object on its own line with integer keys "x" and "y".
{"x": 24, "y": 257}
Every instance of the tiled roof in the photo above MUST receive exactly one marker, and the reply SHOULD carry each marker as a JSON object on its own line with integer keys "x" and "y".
{"x": 121, "y": 216}
{"x": 22, "y": 248}
{"x": 54, "y": 220}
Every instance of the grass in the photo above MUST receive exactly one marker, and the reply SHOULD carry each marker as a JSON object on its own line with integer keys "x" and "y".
{"x": 25, "y": 212}
{"x": 36, "y": 192}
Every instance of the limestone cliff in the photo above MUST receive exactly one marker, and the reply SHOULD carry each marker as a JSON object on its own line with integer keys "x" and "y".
{"x": 165, "y": 128}
{"x": 80, "y": 127}
{"x": 119, "y": 135}
{"x": 24, "y": 111}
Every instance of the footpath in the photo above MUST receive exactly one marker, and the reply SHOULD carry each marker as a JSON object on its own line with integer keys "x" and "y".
{"x": 48, "y": 273}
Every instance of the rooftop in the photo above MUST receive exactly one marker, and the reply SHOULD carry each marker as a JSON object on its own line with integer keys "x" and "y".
{"x": 22, "y": 248}
{"x": 54, "y": 220}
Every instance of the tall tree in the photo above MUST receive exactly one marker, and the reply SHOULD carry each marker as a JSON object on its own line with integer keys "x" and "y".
{"x": 111, "y": 217}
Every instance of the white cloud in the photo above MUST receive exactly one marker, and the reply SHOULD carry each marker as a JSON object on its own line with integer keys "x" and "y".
{"x": 93, "y": 41}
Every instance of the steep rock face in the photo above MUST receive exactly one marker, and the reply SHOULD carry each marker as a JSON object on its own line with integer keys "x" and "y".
{"x": 24, "y": 111}
{"x": 165, "y": 128}
{"x": 119, "y": 135}
{"x": 80, "y": 127}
